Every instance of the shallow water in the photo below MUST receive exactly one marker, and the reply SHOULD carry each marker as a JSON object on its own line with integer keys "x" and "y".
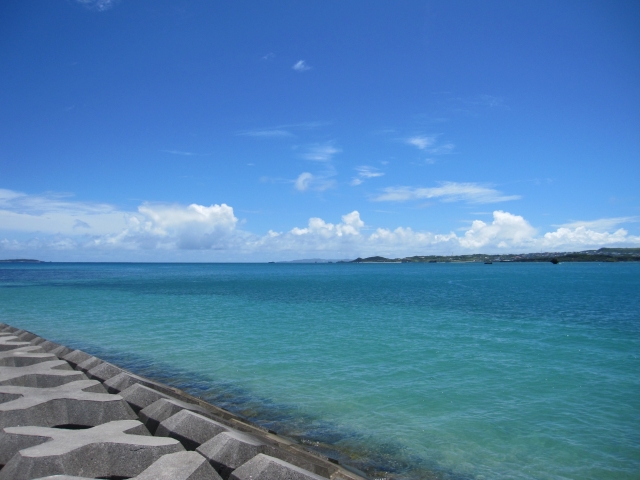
{"x": 454, "y": 371}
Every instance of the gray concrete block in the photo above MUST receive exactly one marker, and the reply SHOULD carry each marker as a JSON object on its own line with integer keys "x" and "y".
{"x": 60, "y": 351}
{"x": 63, "y": 477}
{"x": 264, "y": 467}
{"x": 83, "y": 403}
{"x": 23, "y": 356}
{"x": 40, "y": 375}
{"x": 180, "y": 466}
{"x": 125, "y": 379}
{"x": 37, "y": 341}
{"x": 11, "y": 329}
{"x": 139, "y": 396}
{"x": 76, "y": 357}
{"x": 173, "y": 466}
{"x": 164, "y": 408}
{"x": 27, "y": 336}
{"x": 10, "y": 342}
{"x": 88, "y": 364}
{"x": 190, "y": 428}
{"x": 47, "y": 346}
{"x": 116, "y": 449}
{"x": 104, "y": 372}
{"x": 229, "y": 450}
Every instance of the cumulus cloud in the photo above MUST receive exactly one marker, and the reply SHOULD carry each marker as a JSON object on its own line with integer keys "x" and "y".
{"x": 301, "y": 66}
{"x": 582, "y": 237}
{"x": 446, "y": 192}
{"x": 56, "y": 223}
{"x": 191, "y": 227}
{"x": 506, "y": 230}
{"x": 56, "y": 217}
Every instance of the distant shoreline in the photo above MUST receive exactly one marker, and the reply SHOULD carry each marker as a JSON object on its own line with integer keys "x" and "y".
{"x": 609, "y": 255}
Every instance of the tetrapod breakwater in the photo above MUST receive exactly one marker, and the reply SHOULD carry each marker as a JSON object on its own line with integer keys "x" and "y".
{"x": 66, "y": 414}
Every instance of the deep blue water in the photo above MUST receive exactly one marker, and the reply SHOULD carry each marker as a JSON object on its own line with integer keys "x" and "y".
{"x": 460, "y": 371}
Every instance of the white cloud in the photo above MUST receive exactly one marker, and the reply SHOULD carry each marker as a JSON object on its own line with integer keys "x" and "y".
{"x": 99, "y": 5}
{"x": 180, "y": 152}
{"x": 80, "y": 224}
{"x": 191, "y": 227}
{"x": 428, "y": 143}
{"x": 421, "y": 141}
{"x": 582, "y": 238}
{"x": 303, "y": 180}
{"x": 369, "y": 172}
{"x": 53, "y": 225}
{"x": 445, "y": 149}
{"x": 600, "y": 224}
{"x": 321, "y": 152}
{"x": 301, "y": 66}
{"x": 52, "y": 213}
{"x": 269, "y": 56}
{"x": 447, "y": 192}
{"x": 351, "y": 225}
{"x": 267, "y": 133}
{"x": 365, "y": 172}
{"x": 506, "y": 230}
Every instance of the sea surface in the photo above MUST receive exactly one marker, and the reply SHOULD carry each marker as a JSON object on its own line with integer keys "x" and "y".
{"x": 444, "y": 371}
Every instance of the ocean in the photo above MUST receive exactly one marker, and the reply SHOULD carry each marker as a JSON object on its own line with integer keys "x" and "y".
{"x": 443, "y": 371}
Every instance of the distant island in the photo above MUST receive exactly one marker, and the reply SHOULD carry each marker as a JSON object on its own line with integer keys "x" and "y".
{"x": 600, "y": 255}
{"x": 22, "y": 260}
{"x": 314, "y": 260}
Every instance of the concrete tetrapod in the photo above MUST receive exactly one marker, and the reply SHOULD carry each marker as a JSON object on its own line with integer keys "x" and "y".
{"x": 27, "y": 336}
{"x": 60, "y": 351}
{"x": 190, "y": 428}
{"x": 24, "y": 356}
{"x": 83, "y": 403}
{"x": 76, "y": 357}
{"x": 124, "y": 380}
{"x": 47, "y": 346}
{"x": 88, "y": 364}
{"x": 10, "y": 342}
{"x": 122, "y": 448}
{"x": 229, "y": 450}
{"x": 40, "y": 375}
{"x": 139, "y": 396}
{"x": 264, "y": 467}
{"x": 104, "y": 372}
{"x": 164, "y": 408}
{"x": 174, "y": 466}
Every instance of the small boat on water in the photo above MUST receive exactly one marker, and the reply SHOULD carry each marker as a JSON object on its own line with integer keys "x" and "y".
{"x": 488, "y": 262}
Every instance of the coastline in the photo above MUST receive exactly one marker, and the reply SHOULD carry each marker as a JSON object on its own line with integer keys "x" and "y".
{"x": 21, "y": 349}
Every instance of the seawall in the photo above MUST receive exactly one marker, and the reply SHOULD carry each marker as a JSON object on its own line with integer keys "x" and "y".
{"x": 68, "y": 414}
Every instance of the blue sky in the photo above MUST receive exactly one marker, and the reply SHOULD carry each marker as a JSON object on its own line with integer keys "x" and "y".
{"x": 242, "y": 131}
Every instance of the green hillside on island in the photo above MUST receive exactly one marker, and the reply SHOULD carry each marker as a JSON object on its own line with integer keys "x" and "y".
{"x": 21, "y": 260}
{"x": 600, "y": 255}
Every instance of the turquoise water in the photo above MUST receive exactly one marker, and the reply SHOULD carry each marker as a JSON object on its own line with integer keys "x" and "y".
{"x": 463, "y": 371}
